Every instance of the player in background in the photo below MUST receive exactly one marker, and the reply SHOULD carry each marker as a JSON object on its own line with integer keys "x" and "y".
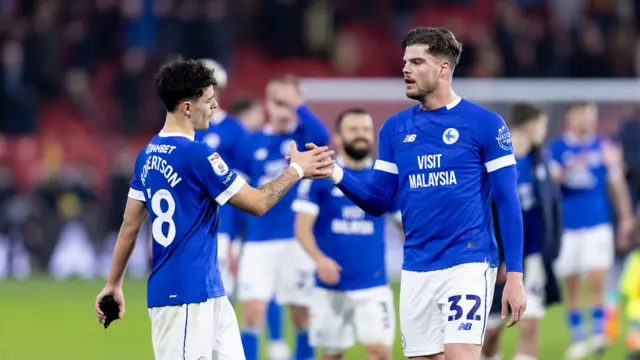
{"x": 179, "y": 184}
{"x": 272, "y": 261}
{"x": 587, "y": 166}
{"x": 250, "y": 112}
{"x": 445, "y": 158}
{"x": 224, "y": 134}
{"x": 347, "y": 246}
{"x": 540, "y": 205}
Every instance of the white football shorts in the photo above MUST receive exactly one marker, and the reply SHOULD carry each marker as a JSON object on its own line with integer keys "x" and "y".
{"x": 448, "y": 306}
{"x": 202, "y": 331}
{"x": 586, "y": 249}
{"x": 336, "y": 314}
{"x": 279, "y": 268}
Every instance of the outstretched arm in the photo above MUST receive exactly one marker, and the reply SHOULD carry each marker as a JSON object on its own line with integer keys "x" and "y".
{"x": 374, "y": 195}
{"x": 315, "y": 129}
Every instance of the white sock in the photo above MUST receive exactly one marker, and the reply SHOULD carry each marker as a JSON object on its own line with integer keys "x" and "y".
{"x": 523, "y": 357}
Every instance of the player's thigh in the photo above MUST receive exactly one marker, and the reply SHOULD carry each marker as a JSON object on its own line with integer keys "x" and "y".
{"x": 226, "y": 343}
{"x": 182, "y": 331}
{"x": 466, "y": 302}
{"x": 330, "y": 321}
{"x": 296, "y": 276}
{"x": 421, "y": 325}
{"x": 598, "y": 248}
{"x": 535, "y": 279}
{"x": 374, "y": 316}
{"x": 568, "y": 262}
{"x": 257, "y": 270}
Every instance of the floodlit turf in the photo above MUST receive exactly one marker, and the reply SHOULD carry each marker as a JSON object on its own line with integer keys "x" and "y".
{"x": 44, "y": 319}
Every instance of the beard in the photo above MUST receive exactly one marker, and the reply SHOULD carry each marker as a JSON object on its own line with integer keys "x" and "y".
{"x": 420, "y": 93}
{"x": 357, "y": 153}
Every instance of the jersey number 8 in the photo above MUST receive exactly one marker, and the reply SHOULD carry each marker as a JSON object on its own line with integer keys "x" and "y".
{"x": 163, "y": 217}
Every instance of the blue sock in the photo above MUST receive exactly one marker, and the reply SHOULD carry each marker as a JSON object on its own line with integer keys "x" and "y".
{"x": 575, "y": 325}
{"x": 597, "y": 320}
{"x": 274, "y": 321}
{"x": 304, "y": 351}
{"x": 251, "y": 343}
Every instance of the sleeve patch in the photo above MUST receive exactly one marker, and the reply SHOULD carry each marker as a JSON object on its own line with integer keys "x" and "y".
{"x": 218, "y": 165}
{"x": 504, "y": 138}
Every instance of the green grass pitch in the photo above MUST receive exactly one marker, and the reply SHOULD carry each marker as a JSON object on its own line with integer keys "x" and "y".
{"x": 45, "y": 319}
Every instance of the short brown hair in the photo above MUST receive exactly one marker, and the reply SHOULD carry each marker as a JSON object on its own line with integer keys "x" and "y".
{"x": 441, "y": 43}
{"x": 522, "y": 113}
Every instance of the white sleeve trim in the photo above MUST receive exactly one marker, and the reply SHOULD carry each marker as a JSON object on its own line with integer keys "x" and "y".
{"x": 233, "y": 189}
{"x": 386, "y": 166}
{"x": 305, "y": 207}
{"x": 136, "y": 195}
{"x": 500, "y": 162}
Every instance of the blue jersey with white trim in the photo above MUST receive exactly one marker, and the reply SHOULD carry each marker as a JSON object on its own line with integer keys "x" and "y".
{"x": 442, "y": 159}
{"x": 223, "y": 135}
{"x": 261, "y": 157}
{"x": 345, "y": 233}
{"x": 585, "y": 183}
{"x": 531, "y": 210}
{"x": 183, "y": 183}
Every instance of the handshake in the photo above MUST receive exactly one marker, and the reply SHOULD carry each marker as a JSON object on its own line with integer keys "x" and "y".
{"x": 315, "y": 163}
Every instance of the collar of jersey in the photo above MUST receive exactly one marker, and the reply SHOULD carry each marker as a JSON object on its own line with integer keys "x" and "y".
{"x": 449, "y": 106}
{"x": 171, "y": 134}
{"x": 217, "y": 117}
{"x": 340, "y": 162}
{"x": 571, "y": 139}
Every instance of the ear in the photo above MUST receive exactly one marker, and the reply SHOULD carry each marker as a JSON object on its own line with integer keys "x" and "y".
{"x": 445, "y": 69}
{"x": 186, "y": 108}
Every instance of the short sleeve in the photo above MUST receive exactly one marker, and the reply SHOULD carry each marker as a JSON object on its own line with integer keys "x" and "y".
{"x": 218, "y": 181}
{"x": 136, "y": 189}
{"x": 244, "y": 157}
{"x": 497, "y": 150}
{"x": 307, "y": 201}
{"x": 386, "y": 159}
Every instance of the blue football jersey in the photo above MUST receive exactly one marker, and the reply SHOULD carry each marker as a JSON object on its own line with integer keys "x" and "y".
{"x": 585, "y": 201}
{"x": 531, "y": 210}
{"x": 442, "y": 159}
{"x": 183, "y": 183}
{"x": 223, "y": 135}
{"x": 345, "y": 233}
{"x": 261, "y": 160}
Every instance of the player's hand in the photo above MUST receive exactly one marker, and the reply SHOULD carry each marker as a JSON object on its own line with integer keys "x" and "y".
{"x": 611, "y": 154}
{"x": 286, "y": 93}
{"x": 328, "y": 270}
{"x": 116, "y": 292}
{"x": 315, "y": 163}
{"x": 514, "y": 298}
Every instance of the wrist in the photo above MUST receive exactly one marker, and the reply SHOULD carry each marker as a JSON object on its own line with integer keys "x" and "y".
{"x": 337, "y": 174}
{"x": 514, "y": 275}
{"x": 298, "y": 169}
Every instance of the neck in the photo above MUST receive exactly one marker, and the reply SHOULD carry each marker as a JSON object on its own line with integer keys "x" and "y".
{"x": 177, "y": 124}
{"x": 580, "y": 136}
{"x": 352, "y": 163}
{"x": 439, "y": 98}
{"x": 521, "y": 144}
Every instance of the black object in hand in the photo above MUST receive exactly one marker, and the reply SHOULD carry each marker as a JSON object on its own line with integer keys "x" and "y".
{"x": 110, "y": 308}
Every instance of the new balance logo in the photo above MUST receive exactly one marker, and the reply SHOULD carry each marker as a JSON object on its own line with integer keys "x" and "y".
{"x": 465, "y": 326}
{"x": 409, "y": 138}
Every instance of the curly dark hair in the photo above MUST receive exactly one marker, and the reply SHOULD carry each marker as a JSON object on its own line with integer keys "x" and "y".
{"x": 181, "y": 80}
{"x": 440, "y": 41}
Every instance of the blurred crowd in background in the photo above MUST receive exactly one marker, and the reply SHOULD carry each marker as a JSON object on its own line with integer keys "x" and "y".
{"x": 77, "y": 100}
